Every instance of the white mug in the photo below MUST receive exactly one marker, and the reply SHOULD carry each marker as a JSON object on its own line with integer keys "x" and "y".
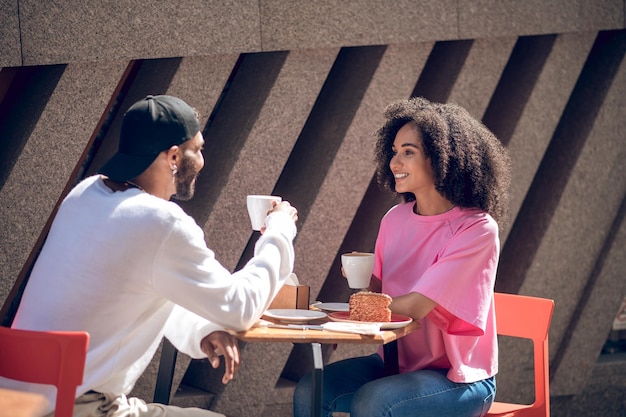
{"x": 258, "y": 206}
{"x": 358, "y": 267}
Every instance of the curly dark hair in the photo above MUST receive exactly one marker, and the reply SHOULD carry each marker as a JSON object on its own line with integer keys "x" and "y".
{"x": 471, "y": 167}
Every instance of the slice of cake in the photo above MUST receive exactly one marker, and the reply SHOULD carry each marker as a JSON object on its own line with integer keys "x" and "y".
{"x": 370, "y": 306}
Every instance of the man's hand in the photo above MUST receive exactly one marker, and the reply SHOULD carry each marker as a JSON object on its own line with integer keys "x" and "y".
{"x": 221, "y": 343}
{"x": 285, "y": 207}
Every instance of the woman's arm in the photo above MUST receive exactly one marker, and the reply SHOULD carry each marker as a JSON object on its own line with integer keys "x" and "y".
{"x": 413, "y": 304}
{"x": 376, "y": 285}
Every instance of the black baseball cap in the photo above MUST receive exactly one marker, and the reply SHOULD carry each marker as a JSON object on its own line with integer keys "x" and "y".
{"x": 149, "y": 127}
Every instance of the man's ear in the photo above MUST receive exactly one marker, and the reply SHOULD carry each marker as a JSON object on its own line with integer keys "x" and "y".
{"x": 173, "y": 156}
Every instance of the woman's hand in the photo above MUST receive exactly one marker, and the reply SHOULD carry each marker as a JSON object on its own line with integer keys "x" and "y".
{"x": 221, "y": 343}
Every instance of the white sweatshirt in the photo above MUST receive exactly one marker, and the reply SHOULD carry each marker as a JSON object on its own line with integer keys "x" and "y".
{"x": 130, "y": 268}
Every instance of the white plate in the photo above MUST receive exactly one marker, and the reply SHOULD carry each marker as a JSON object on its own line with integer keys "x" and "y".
{"x": 397, "y": 320}
{"x": 294, "y": 315}
{"x": 333, "y": 306}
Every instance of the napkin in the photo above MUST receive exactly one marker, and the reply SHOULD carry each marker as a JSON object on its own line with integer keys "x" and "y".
{"x": 262, "y": 323}
{"x": 292, "y": 279}
{"x": 359, "y": 328}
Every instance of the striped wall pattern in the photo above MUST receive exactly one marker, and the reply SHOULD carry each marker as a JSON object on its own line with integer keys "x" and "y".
{"x": 293, "y": 115}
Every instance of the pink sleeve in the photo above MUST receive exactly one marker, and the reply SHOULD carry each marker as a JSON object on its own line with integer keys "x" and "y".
{"x": 461, "y": 280}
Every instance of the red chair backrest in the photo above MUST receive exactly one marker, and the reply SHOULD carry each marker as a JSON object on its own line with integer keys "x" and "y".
{"x": 523, "y": 316}
{"x": 52, "y": 357}
{"x": 529, "y": 318}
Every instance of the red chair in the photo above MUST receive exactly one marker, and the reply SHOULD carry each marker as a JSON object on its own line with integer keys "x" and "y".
{"x": 52, "y": 358}
{"x": 528, "y": 318}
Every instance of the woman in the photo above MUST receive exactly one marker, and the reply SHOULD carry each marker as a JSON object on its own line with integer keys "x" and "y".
{"x": 436, "y": 256}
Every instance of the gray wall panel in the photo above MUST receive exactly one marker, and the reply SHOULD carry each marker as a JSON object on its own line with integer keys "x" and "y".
{"x": 10, "y": 48}
{"x": 267, "y": 148}
{"x": 201, "y": 80}
{"x": 326, "y": 23}
{"x": 67, "y": 31}
{"x": 572, "y": 247}
{"x": 542, "y": 113}
{"x": 480, "y": 74}
{"x": 488, "y": 18}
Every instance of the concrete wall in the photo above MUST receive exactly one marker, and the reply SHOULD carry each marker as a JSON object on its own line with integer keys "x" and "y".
{"x": 289, "y": 95}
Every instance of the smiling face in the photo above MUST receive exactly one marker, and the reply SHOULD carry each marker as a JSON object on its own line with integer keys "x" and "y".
{"x": 411, "y": 168}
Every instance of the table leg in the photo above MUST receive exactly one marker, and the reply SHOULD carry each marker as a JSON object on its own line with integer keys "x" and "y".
{"x": 316, "y": 381}
{"x": 390, "y": 351}
{"x": 165, "y": 374}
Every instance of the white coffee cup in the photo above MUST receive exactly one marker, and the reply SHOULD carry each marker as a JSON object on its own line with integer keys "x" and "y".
{"x": 258, "y": 206}
{"x": 358, "y": 267}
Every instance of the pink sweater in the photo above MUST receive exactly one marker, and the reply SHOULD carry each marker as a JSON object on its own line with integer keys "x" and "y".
{"x": 450, "y": 258}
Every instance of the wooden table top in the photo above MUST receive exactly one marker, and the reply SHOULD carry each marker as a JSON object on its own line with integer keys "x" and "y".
{"x": 21, "y": 404}
{"x": 273, "y": 334}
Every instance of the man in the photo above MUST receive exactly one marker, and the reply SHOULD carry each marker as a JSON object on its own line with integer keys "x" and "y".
{"x": 127, "y": 265}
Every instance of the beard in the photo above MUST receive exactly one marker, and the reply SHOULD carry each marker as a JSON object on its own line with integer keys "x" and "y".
{"x": 186, "y": 180}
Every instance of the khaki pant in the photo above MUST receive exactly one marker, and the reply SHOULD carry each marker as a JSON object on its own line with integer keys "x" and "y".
{"x": 95, "y": 404}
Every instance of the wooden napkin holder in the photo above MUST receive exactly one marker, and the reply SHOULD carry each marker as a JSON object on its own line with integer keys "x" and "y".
{"x": 292, "y": 297}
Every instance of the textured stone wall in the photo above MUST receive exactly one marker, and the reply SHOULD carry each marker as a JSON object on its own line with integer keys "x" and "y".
{"x": 289, "y": 95}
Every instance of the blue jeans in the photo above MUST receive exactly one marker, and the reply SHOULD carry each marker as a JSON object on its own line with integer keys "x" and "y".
{"x": 359, "y": 386}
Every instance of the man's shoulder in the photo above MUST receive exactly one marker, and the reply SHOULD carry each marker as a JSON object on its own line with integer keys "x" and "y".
{"x": 132, "y": 202}
{"x": 85, "y": 184}
{"x": 148, "y": 204}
